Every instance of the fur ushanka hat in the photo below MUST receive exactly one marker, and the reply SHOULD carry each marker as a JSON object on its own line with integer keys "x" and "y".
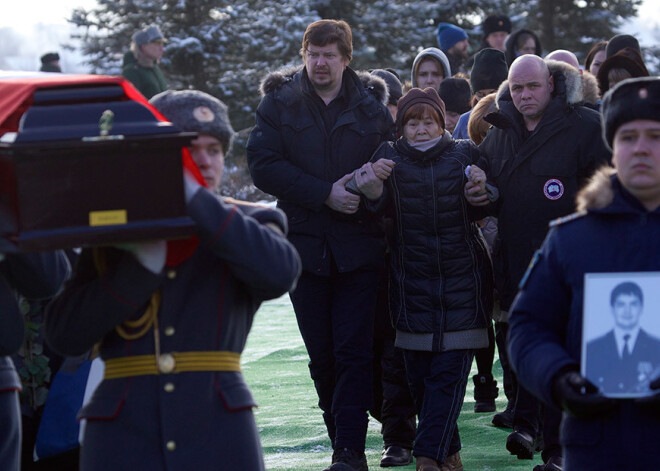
{"x": 495, "y": 23}
{"x": 196, "y": 111}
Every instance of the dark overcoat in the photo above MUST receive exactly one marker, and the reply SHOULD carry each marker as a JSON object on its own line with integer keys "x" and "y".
{"x": 440, "y": 272}
{"x": 293, "y": 157}
{"x": 539, "y": 175}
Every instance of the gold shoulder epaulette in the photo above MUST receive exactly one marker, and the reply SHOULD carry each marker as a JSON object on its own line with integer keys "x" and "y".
{"x": 569, "y": 218}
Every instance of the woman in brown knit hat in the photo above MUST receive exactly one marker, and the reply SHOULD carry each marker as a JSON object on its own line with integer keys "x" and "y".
{"x": 441, "y": 277}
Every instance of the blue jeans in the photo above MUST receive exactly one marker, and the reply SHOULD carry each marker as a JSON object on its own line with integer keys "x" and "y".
{"x": 437, "y": 383}
{"x": 335, "y": 316}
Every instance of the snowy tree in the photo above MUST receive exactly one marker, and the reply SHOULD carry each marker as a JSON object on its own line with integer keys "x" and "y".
{"x": 577, "y": 24}
{"x": 226, "y": 48}
{"x": 222, "y": 48}
{"x": 390, "y": 33}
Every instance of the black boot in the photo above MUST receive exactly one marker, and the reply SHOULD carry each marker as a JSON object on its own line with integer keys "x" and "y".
{"x": 504, "y": 419}
{"x": 485, "y": 392}
{"x": 346, "y": 459}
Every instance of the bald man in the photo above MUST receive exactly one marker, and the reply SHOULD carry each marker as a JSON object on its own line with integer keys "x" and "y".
{"x": 562, "y": 55}
{"x": 541, "y": 149}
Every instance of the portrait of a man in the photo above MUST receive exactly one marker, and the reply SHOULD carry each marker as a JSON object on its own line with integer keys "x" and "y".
{"x": 627, "y": 358}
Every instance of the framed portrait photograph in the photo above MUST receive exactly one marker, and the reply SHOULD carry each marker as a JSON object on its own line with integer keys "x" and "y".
{"x": 621, "y": 332}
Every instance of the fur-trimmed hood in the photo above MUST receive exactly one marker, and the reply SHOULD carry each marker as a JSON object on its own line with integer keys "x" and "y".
{"x": 275, "y": 80}
{"x": 375, "y": 85}
{"x": 568, "y": 81}
{"x": 590, "y": 90}
{"x": 372, "y": 83}
{"x": 598, "y": 193}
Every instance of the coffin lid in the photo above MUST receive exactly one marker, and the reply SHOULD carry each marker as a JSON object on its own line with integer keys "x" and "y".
{"x": 48, "y": 107}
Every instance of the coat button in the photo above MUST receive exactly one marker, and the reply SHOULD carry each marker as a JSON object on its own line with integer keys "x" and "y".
{"x": 169, "y": 387}
{"x": 171, "y": 445}
{"x": 169, "y": 331}
{"x": 166, "y": 363}
{"x": 171, "y": 274}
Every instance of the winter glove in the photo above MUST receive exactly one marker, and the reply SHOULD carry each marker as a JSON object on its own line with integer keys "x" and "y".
{"x": 151, "y": 254}
{"x": 579, "y": 397}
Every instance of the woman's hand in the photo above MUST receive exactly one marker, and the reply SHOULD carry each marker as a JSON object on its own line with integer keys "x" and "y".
{"x": 369, "y": 184}
{"x": 475, "y": 195}
{"x": 383, "y": 168}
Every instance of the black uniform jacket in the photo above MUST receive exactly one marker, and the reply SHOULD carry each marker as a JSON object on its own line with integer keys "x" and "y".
{"x": 181, "y": 420}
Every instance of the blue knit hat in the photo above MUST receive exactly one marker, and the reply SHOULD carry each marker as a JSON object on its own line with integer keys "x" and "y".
{"x": 449, "y": 34}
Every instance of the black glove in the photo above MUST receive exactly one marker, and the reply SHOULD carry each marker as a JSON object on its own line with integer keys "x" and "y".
{"x": 579, "y": 397}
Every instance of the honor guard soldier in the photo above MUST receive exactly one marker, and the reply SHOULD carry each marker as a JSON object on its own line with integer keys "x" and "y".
{"x": 171, "y": 319}
{"x": 617, "y": 232}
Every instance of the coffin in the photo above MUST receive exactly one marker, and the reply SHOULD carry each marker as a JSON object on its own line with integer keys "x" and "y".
{"x": 85, "y": 160}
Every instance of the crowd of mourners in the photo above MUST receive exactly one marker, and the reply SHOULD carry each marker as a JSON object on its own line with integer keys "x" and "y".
{"x": 419, "y": 225}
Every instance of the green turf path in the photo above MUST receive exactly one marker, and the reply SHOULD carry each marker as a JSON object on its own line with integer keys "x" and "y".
{"x": 292, "y": 432}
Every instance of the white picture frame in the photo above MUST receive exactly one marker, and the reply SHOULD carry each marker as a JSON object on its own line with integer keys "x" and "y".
{"x": 604, "y": 363}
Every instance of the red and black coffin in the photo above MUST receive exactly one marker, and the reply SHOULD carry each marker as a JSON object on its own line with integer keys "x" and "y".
{"x": 85, "y": 160}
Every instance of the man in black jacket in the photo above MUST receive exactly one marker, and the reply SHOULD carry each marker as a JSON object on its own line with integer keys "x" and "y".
{"x": 314, "y": 127}
{"x": 541, "y": 150}
{"x": 34, "y": 276}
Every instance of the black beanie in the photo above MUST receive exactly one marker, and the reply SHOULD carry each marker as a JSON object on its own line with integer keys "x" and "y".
{"x": 455, "y": 92}
{"x": 629, "y": 100}
{"x": 50, "y": 57}
{"x": 620, "y": 41}
{"x": 195, "y": 111}
{"x": 393, "y": 85}
{"x": 495, "y": 23}
{"x": 489, "y": 70}
{"x": 414, "y": 96}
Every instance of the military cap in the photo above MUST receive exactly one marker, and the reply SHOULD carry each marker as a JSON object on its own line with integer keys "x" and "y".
{"x": 629, "y": 100}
